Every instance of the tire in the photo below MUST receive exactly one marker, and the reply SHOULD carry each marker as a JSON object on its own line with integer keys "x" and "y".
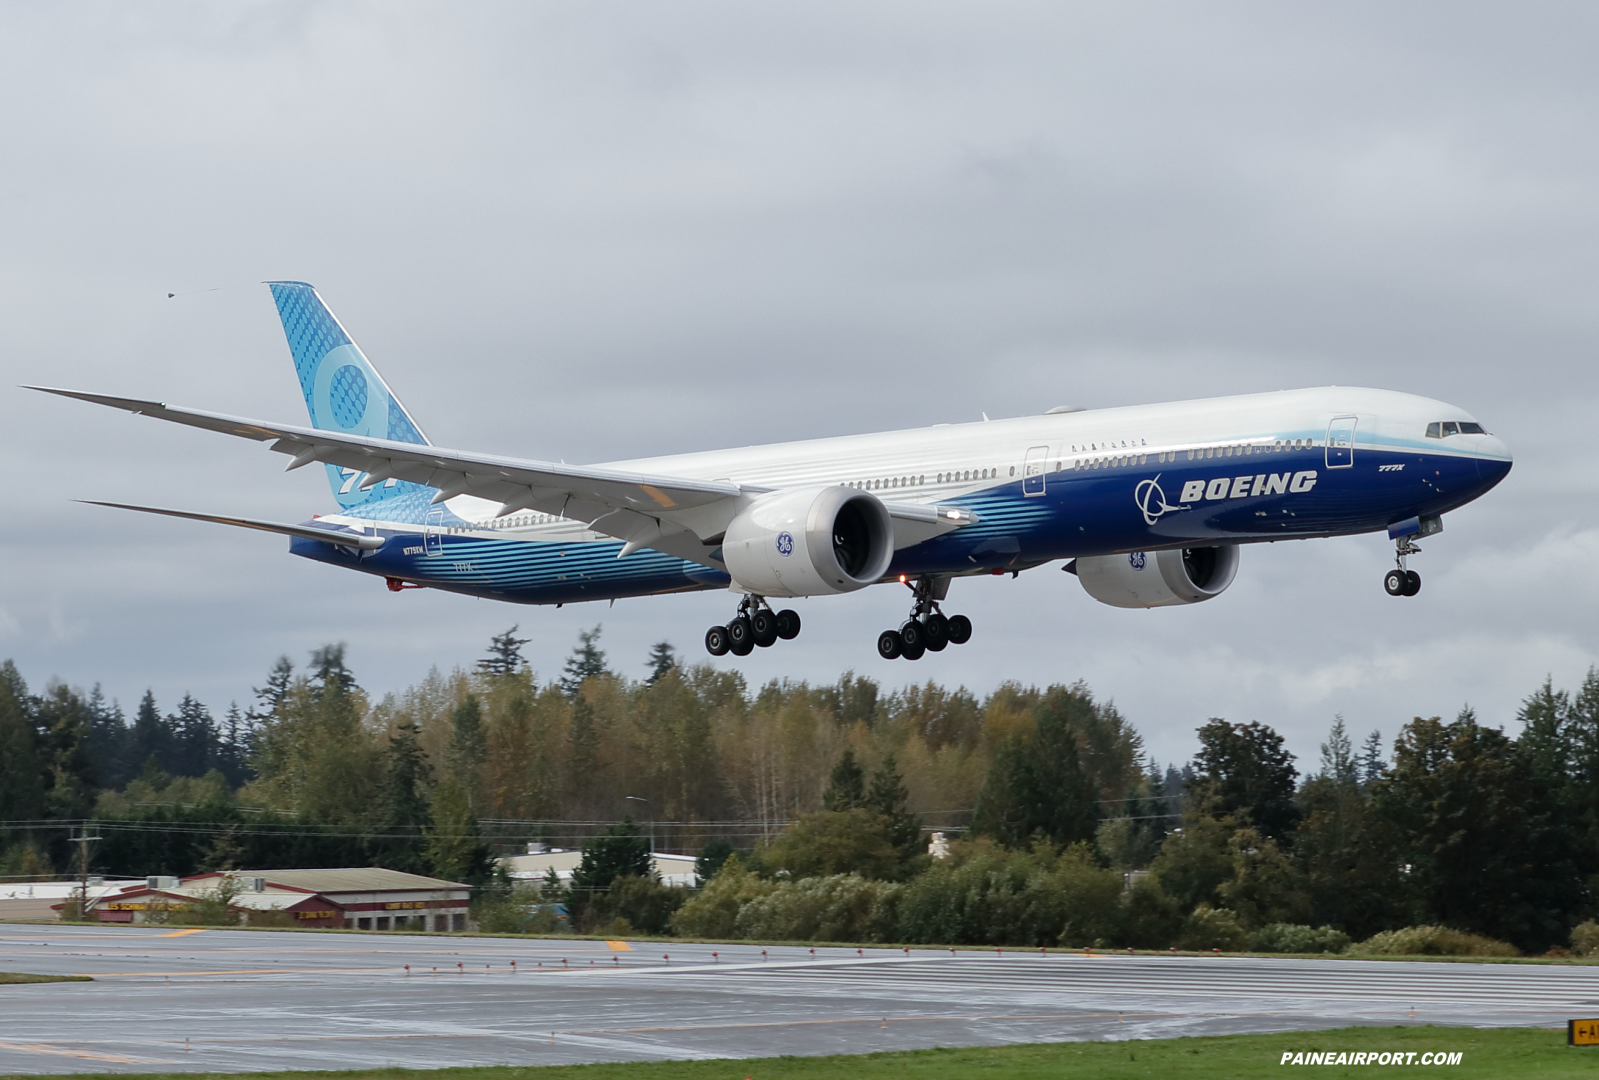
{"x": 913, "y": 639}
{"x": 716, "y": 642}
{"x": 889, "y": 646}
{"x": 740, "y": 636}
{"x": 763, "y": 627}
{"x": 960, "y": 629}
{"x": 935, "y": 628}
{"x": 1412, "y": 583}
{"x": 788, "y": 624}
{"x": 1394, "y": 582}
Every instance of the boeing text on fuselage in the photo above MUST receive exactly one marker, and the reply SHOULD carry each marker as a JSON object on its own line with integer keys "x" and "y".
{"x": 1092, "y": 489}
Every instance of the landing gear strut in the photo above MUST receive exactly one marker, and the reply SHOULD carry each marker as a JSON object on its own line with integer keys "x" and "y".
{"x": 928, "y": 629}
{"x": 1402, "y": 581}
{"x": 756, "y": 624}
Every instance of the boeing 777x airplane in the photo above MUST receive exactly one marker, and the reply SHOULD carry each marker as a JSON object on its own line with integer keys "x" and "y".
{"x": 1148, "y": 504}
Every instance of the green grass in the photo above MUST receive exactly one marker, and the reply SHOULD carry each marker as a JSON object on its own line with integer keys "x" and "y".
{"x": 9, "y": 977}
{"x": 1523, "y": 1053}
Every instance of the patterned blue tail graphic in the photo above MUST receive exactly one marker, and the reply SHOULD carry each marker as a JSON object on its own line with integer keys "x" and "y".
{"x": 343, "y": 392}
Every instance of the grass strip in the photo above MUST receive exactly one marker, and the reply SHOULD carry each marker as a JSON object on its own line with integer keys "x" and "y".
{"x": 9, "y": 977}
{"x": 1523, "y": 1053}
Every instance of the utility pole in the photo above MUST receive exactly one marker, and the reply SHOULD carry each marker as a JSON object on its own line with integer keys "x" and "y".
{"x": 646, "y": 802}
{"x": 83, "y": 872}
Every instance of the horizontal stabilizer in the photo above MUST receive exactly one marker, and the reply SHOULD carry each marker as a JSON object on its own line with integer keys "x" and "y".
{"x": 306, "y": 532}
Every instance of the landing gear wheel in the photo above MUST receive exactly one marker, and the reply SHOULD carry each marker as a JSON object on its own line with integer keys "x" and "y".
{"x": 1394, "y": 582}
{"x": 1412, "y": 583}
{"x": 788, "y": 624}
{"x": 889, "y": 645}
{"x": 716, "y": 642}
{"x": 913, "y": 639}
{"x": 740, "y": 637}
{"x": 960, "y": 629}
{"x": 763, "y": 627}
{"x": 935, "y": 628}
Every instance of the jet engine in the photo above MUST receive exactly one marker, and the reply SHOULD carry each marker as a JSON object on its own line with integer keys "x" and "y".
{"x": 809, "y": 542}
{"x": 1146, "y": 579}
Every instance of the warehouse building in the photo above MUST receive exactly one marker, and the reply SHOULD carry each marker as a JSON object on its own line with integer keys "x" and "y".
{"x": 354, "y": 898}
{"x": 534, "y": 867}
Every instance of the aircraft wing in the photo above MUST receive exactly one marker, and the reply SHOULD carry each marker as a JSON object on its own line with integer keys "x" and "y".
{"x": 667, "y": 513}
{"x": 332, "y": 534}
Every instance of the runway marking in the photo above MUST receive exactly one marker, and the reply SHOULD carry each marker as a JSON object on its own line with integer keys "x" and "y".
{"x": 181, "y": 933}
{"x": 619, "y": 946}
{"x": 92, "y": 1055}
{"x": 241, "y": 971}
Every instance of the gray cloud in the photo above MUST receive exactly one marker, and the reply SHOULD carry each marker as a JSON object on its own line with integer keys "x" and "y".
{"x": 600, "y": 231}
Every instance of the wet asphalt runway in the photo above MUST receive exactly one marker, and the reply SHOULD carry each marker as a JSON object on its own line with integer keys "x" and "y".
{"x": 223, "y": 1000}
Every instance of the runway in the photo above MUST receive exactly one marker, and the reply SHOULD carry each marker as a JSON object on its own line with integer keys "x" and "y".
{"x": 225, "y": 1000}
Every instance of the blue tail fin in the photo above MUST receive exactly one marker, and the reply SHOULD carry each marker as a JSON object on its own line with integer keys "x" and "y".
{"x": 343, "y": 392}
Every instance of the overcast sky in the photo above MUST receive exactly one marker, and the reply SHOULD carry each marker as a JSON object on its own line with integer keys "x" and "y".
{"x": 593, "y": 231}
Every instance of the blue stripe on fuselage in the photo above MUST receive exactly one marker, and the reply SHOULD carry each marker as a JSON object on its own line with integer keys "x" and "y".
{"x": 1084, "y": 511}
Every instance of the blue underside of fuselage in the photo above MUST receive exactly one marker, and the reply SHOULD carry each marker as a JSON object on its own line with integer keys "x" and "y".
{"x": 1080, "y": 512}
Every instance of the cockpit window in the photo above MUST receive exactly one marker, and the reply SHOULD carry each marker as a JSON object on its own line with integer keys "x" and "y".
{"x": 1445, "y": 428}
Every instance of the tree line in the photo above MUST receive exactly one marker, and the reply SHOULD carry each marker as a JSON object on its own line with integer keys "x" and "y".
{"x": 830, "y": 791}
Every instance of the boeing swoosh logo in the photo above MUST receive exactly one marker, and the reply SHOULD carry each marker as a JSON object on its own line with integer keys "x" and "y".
{"x": 1152, "y": 501}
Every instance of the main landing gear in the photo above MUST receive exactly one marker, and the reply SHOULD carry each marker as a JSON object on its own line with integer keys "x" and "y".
{"x": 755, "y": 624}
{"x": 928, "y": 629}
{"x": 1401, "y": 581}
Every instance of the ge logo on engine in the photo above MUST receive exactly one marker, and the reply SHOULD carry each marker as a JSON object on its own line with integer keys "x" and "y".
{"x": 1137, "y": 560}
{"x": 785, "y": 544}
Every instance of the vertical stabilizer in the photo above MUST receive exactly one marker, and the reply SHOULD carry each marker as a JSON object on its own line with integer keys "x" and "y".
{"x": 343, "y": 391}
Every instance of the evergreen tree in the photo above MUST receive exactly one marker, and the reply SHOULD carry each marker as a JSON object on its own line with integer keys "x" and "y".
{"x": 1036, "y": 784}
{"x": 889, "y": 797}
{"x": 505, "y": 653}
{"x": 22, "y": 768}
{"x": 583, "y": 759}
{"x": 1479, "y": 835}
{"x": 152, "y": 737}
{"x": 663, "y": 658}
{"x": 109, "y": 741}
{"x": 329, "y": 671}
{"x": 586, "y": 662}
{"x": 270, "y": 698}
{"x": 468, "y": 749}
{"x": 1243, "y": 768}
{"x": 1338, "y": 755}
{"x": 1370, "y": 763}
{"x": 193, "y": 749}
{"x": 846, "y": 788}
{"x": 622, "y": 851}
{"x": 407, "y": 776}
{"x": 711, "y": 858}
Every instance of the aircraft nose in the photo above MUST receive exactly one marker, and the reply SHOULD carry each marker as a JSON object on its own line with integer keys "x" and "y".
{"x": 1494, "y": 464}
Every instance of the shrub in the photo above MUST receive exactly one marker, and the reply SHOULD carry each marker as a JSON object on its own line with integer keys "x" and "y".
{"x": 1585, "y": 938}
{"x": 712, "y": 913}
{"x": 1150, "y": 918}
{"x": 840, "y": 907}
{"x": 1212, "y": 928}
{"x": 641, "y": 902}
{"x": 1296, "y": 938}
{"x": 1433, "y": 941}
{"x": 991, "y": 896}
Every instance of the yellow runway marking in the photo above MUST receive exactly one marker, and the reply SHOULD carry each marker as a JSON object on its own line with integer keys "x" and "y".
{"x": 47, "y": 1048}
{"x": 619, "y": 946}
{"x": 181, "y": 933}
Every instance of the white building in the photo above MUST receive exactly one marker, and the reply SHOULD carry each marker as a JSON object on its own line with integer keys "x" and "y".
{"x": 533, "y": 868}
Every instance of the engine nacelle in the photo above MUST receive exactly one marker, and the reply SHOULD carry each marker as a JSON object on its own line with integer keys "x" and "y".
{"x": 809, "y": 542}
{"x": 1158, "y": 578}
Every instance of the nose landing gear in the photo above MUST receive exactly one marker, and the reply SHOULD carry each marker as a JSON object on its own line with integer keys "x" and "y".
{"x": 1402, "y": 581}
{"x": 928, "y": 629}
{"x": 755, "y": 625}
